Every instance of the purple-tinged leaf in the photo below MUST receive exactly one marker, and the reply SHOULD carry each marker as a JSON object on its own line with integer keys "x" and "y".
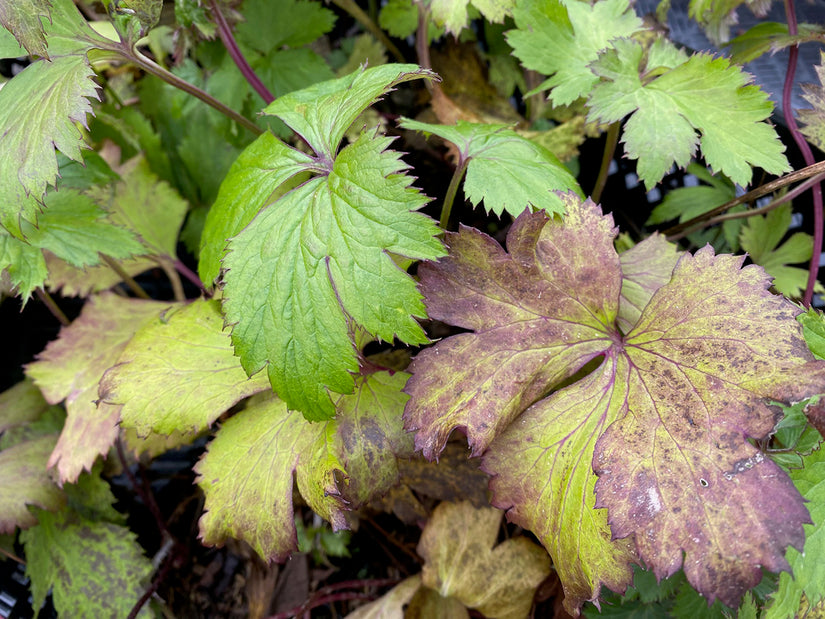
{"x": 710, "y": 350}
{"x": 539, "y": 314}
{"x": 22, "y": 19}
{"x": 646, "y": 267}
{"x": 70, "y": 369}
{"x": 665, "y": 422}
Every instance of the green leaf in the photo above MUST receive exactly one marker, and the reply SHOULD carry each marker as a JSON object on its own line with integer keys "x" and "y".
{"x": 453, "y": 16}
{"x": 146, "y": 205}
{"x": 271, "y": 24}
{"x": 760, "y": 237}
{"x": 22, "y": 18}
{"x": 93, "y": 569}
{"x": 70, "y": 281}
{"x": 813, "y": 120}
{"x": 9, "y": 47}
{"x": 314, "y": 263}
{"x": 562, "y": 38}
{"x": 30, "y": 133}
{"x": 509, "y": 172}
{"x": 24, "y": 264}
{"x": 39, "y": 109}
{"x": 808, "y": 569}
{"x": 702, "y": 96}
{"x": 463, "y": 561}
{"x": 246, "y": 473}
{"x": 91, "y": 497}
{"x": 70, "y": 369}
{"x": 263, "y": 167}
{"x": 76, "y": 230}
{"x": 26, "y": 482}
{"x": 771, "y": 37}
{"x": 656, "y": 423}
{"x": 178, "y": 372}
{"x": 322, "y": 113}
{"x": 813, "y": 328}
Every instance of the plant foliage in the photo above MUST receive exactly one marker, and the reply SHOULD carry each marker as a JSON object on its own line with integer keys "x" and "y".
{"x": 650, "y": 412}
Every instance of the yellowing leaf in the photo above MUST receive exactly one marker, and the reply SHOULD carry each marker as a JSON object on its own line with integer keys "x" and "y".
{"x": 463, "y": 561}
{"x": 246, "y": 473}
{"x": 26, "y": 481}
{"x": 70, "y": 369}
{"x": 94, "y": 566}
{"x": 178, "y": 373}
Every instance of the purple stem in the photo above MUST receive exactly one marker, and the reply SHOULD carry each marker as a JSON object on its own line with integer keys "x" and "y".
{"x": 225, "y": 33}
{"x": 805, "y": 149}
{"x": 189, "y": 274}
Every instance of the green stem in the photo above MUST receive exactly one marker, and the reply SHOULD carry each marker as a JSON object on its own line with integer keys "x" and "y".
{"x": 174, "y": 279}
{"x": 452, "y": 190}
{"x": 609, "y": 150}
{"x": 155, "y": 69}
{"x": 49, "y": 302}
{"x": 357, "y": 13}
{"x": 127, "y": 279}
{"x": 806, "y": 172}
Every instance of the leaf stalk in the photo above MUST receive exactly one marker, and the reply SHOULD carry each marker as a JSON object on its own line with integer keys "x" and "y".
{"x": 805, "y": 149}
{"x": 609, "y": 150}
{"x": 678, "y": 231}
{"x": 225, "y": 32}
{"x": 452, "y": 190}
{"x": 49, "y": 302}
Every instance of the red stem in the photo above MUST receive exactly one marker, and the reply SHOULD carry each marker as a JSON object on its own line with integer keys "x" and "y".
{"x": 228, "y": 40}
{"x": 805, "y": 149}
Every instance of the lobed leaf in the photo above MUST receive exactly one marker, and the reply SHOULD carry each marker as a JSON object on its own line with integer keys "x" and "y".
{"x": 507, "y": 171}
{"x": 463, "y": 561}
{"x": 703, "y": 94}
{"x": 70, "y": 369}
{"x": 538, "y": 314}
{"x": 453, "y": 15}
{"x": 273, "y": 24}
{"x": 24, "y": 264}
{"x": 177, "y": 373}
{"x": 261, "y": 169}
{"x": 316, "y": 259}
{"x": 322, "y": 113}
{"x": 26, "y": 482}
{"x": 95, "y": 566}
{"x": 664, "y": 421}
{"x": 808, "y": 572}
{"x": 246, "y": 473}
{"x": 29, "y": 133}
{"x": 761, "y": 236}
{"x": 562, "y": 38}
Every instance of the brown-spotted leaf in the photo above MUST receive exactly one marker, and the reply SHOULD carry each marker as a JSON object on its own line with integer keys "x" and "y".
{"x": 813, "y": 119}
{"x": 710, "y": 351}
{"x": 247, "y": 471}
{"x": 538, "y": 313}
{"x": 462, "y": 561}
{"x": 70, "y": 369}
{"x": 665, "y": 419}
